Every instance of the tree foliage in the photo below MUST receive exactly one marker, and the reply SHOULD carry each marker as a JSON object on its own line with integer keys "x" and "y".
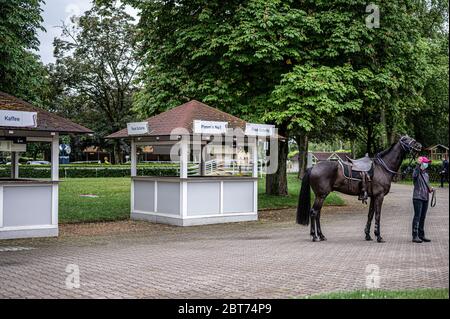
{"x": 96, "y": 64}
{"x": 21, "y": 72}
{"x": 305, "y": 66}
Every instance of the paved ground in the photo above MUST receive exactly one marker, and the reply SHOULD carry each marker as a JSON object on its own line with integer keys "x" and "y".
{"x": 265, "y": 259}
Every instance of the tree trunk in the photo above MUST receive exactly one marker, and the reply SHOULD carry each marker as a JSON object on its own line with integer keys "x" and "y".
{"x": 117, "y": 157}
{"x": 276, "y": 184}
{"x": 384, "y": 136}
{"x": 369, "y": 140}
{"x": 352, "y": 147}
{"x": 302, "y": 143}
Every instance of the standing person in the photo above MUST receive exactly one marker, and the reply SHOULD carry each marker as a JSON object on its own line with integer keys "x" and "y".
{"x": 444, "y": 172}
{"x": 421, "y": 193}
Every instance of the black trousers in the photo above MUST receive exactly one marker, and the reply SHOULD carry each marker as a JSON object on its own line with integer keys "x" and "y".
{"x": 420, "y": 212}
{"x": 444, "y": 178}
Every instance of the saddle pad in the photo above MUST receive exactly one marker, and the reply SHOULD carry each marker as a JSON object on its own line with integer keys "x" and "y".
{"x": 349, "y": 173}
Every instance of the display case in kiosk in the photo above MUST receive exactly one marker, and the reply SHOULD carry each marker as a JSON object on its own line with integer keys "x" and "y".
{"x": 214, "y": 156}
{"x": 29, "y": 207}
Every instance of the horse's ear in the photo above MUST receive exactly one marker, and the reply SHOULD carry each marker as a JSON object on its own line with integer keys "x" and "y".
{"x": 398, "y": 135}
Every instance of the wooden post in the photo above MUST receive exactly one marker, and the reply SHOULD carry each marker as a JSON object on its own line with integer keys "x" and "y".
{"x": 133, "y": 158}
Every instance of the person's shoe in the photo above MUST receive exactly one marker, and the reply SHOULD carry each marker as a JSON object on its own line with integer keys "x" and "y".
{"x": 417, "y": 240}
{"x": 424, "y": 239}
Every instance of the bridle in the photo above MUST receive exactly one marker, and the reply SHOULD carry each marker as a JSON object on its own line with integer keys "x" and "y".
{"x": 409, "y": 148}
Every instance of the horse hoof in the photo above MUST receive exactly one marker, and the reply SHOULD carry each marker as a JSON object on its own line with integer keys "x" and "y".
{"x": 380, "y": 240}
{"x": 323, "y": 238}
{"x": 314, "y": 239}
{"x": 368, "y": 238}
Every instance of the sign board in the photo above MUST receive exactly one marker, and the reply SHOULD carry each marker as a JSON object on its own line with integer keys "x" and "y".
{"x": 210, "y": 127}
{"x": 259, "y": 129}
{"x": 18, "y": 118}
{"x": 10, "y": 146}
{"x": 137, "y": 128}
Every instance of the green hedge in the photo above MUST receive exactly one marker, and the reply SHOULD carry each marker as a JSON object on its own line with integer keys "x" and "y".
{"x": 434, "y": 170}
{"x": 67, "y": 172}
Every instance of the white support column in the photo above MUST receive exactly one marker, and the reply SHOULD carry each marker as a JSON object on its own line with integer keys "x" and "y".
{"x": 1, "y": 206}
{"x": 254, "y": 150}
{"x": 55, "y": 157}
{"x": 15, "y": 165}
{"x": 221, "y": 198}
{"x": 183, "y": 199}
{"x": 55, "y": 177}
{"x": 133, "y": 158}
{"x": 184, "y": 158}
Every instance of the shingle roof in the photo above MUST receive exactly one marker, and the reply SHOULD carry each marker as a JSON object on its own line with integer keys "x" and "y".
{"x": 343, "y": 155}
{"x": 46, "y": 121}
{"x": 436, "y": 146}
{"x": 183, "y": 116}
{"x": 322, "y": 156}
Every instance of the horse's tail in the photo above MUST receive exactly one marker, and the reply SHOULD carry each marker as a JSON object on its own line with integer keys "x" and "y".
{"x": 304, "y": 200}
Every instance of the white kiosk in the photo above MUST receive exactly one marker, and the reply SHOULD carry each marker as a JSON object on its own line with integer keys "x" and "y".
{"x": 205, "y": 190}
{"x": 29, "y": 207}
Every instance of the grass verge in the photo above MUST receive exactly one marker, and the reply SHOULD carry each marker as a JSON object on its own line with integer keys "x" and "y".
{"x": 112, "y": 201}
{"x": 429, "y": 293}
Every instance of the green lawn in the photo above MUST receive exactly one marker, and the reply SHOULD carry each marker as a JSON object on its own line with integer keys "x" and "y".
{"x": 113, "y": 201}
{"x": 386, "y": 294}
{"x": 266, "y": 201}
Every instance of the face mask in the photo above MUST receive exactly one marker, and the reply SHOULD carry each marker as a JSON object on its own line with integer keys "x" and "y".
{"x": 424, "y": 165}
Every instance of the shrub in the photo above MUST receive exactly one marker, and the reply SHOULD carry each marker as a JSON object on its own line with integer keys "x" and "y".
{"x": 434, "y": 170}
{"x": 44, "y": 171}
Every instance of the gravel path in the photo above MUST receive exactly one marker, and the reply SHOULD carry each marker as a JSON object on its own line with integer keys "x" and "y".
{"x": 271, "y": 258}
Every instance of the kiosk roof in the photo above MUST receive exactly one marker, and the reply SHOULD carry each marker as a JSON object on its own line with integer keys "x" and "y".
{"x": 183, "y": 116}
{"x": 46, "y": 121}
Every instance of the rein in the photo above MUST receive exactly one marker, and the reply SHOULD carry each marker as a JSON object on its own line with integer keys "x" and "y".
{"x": 384, "y": 165}
{"x": 433, "y": 192}
{"x": 407, "y": 148}
{"x": 433, "y": 198}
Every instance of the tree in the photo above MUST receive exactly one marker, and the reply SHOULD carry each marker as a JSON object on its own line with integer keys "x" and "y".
{"x": 21, "y": 73}
{"x": 301, "y": 65}
{"x": 429, "y": 123}
{"x": 96, "y": 65}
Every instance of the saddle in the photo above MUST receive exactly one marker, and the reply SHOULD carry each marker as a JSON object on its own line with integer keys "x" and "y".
{"x": 359, "y": 169}
{"x": 363, "y": 164}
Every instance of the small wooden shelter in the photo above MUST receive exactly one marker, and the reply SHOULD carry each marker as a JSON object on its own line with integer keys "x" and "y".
{"x": 437, "y": 152}
{"x": 29, "y": 207}
{"x": 204, "y": 197}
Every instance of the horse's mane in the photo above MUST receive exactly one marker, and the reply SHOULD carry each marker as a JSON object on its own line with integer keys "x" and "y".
{"x": 382, "y": 153}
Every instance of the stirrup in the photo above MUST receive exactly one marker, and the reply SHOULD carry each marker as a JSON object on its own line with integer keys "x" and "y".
{"x": 363, "y": 198}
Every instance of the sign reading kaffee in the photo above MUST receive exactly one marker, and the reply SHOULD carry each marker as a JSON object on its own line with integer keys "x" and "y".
{"x": 18, "y": 118}
{"x": 137, "y": 128}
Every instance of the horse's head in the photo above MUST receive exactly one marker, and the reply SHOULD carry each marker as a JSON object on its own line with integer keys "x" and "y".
{"x": 409, "y": 144}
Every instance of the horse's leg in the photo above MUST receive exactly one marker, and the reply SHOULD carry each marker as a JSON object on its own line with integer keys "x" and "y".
{"x": 377, "y": 208}
{"x": 321, "y": 235}
{"x": 316, "y": 233}
{"x": 369, "y": 219}
{"x": 313, "y": 231}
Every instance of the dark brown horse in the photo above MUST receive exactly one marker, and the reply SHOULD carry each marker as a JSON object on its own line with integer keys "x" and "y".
{"x": 328, "y": 176}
